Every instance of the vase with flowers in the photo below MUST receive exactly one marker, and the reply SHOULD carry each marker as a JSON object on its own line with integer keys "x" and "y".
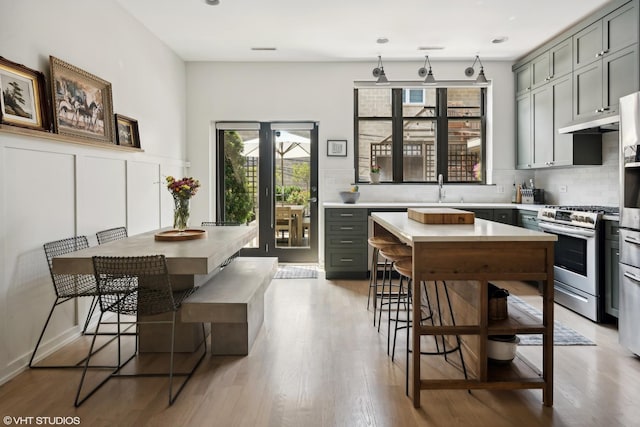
{"x": 182, "y": 190}
{"x": 374, "y": 173}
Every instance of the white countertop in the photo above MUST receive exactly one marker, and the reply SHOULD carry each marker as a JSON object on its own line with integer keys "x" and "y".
{"x": 411, "y": 231}
{"x": 468, "y": 205}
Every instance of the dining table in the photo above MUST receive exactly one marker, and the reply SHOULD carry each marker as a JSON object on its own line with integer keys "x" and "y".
{"x": 190, "y": 263}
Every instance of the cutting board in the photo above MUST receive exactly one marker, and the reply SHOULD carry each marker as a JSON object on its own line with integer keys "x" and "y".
{"x": 441, "y": 216}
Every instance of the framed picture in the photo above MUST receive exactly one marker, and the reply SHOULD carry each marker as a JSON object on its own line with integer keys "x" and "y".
{"x": 127, "y": 133}
{"x": 337, "y": 147}
{"x": 82, "y": 103}
{"x": 24, "y": 101}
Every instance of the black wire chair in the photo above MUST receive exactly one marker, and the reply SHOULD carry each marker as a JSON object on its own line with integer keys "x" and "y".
{"x": 67, "y": 287}
{"x": 106, "y": 236}
{"x": 138, "y": 286}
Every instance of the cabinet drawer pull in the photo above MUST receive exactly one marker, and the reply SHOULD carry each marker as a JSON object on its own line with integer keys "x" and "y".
{"x": 346, "y": 241}
{"x": 346, "y": 259}
{"x": 632, "y": 240}
{"x": 346, "y": 228}
{"x": 632, "y": 276}
{"x": 346, "y": 214}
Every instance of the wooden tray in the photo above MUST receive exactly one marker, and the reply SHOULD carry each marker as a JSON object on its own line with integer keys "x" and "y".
{"x": 441, "y": 216}
{"x": 175, "y": 235}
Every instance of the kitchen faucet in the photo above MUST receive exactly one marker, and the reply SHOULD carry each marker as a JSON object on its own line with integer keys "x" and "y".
{"x": 440, "y": 189}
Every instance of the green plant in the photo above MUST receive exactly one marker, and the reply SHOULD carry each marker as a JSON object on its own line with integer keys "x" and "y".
{"x": 238, "y": 199}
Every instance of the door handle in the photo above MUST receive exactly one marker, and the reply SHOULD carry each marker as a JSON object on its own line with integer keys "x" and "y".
{"x": 313, "y": 200}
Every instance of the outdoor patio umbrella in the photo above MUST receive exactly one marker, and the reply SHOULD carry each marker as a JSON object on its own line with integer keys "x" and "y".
{"x": 287, "y": 146}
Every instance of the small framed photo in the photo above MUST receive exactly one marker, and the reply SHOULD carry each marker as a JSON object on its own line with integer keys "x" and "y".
{"x": 127, "y": 133}
{"x": 82, "y": 103}
{"x": 337, "y": 147}
{"x": 23, "y": 100}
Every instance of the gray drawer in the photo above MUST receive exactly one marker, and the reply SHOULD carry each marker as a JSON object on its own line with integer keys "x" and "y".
{"x": 528, "y": 219}
{"x": 345, "y": 228}
{"x": 630, "y": 247}
{"x": 345, "y": 242}
{"x": 346, "y": 260}
{"x": 505, "y": 216}
{"x": 345, "y": 214}
{"x": 611, "y": 230}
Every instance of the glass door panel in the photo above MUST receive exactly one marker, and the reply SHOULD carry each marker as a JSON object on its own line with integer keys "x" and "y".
{"x": 268, "y": 175}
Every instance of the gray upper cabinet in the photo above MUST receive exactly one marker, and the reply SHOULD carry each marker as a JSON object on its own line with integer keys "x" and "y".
{"x": 523, "y": 129}
{"x": 552, "y": 108}
{"x": 552, "y": 64}
{"x": 582, "y": 73}
{"x": 542, "y": 106}
{"x": 587, "y": 45}
{"x": 540, "y": 70}
{"x": 615, "y": 31}
{"x": 620, "y": 76}
{"x": 605, "y": 60}
{"x": 563, "y": 144}
{"x": 523, "y": 80}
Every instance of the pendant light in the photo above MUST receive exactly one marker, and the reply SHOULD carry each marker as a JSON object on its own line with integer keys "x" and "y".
{"x": 378, "y": 72}
{"x": 422, "y": 72}
{"x": 469, "y": 71}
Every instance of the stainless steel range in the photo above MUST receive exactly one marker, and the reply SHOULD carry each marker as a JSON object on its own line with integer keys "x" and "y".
{"x": 579, "y": 260}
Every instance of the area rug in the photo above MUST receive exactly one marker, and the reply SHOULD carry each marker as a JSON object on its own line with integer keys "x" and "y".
{"x": 561, "y": 334}
{"x": 296, "y": 272}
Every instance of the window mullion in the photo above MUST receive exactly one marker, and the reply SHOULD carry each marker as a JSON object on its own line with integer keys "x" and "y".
{"x": 442, "y": 135}
{"x": 397, "y": 131}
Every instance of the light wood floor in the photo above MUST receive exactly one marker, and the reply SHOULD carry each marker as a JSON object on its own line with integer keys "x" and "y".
{"x": 318, "y": 361}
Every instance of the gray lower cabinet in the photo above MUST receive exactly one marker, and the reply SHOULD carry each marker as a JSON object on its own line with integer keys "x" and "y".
{"x": 345, "y": 245}
{"x": 505, "y": 216}
{"x": 611, "y": 270}
{"x": 528, "y": 219}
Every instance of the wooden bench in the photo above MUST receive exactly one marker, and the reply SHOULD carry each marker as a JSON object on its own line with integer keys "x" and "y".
{"x": 233, "y": 302}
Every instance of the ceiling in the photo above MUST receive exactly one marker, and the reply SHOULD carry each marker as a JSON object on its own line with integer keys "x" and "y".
{"x": 347, "y": 30}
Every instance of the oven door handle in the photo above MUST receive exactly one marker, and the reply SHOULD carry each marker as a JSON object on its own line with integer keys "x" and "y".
{"x": 579, "y": 234}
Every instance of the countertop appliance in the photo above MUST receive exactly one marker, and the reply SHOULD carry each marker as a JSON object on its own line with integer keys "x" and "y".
{"x": 578, "y": 256}
{"x": 629, "y": 136}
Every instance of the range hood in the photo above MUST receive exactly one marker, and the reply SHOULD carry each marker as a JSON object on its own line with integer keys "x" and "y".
{"x": 595, "y": 125}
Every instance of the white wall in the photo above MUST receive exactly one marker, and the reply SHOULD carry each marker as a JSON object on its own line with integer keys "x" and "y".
{"x": 323, "y": 92}
{"x": 53, "y": 190}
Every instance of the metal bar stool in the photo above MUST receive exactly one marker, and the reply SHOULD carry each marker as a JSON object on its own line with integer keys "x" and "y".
{"x": 377, "y": 243}
{"x": 405, "y": 268}
{"x": 391, "y": 254}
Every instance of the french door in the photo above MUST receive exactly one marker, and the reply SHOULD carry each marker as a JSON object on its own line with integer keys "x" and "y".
{"x": 267, "y": 174}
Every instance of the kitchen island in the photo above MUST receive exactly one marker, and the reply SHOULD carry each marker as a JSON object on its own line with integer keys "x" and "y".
{"x": 473, "y": 255}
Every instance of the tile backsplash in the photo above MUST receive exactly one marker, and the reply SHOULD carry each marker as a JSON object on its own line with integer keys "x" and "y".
{"x": 579, "y": 185}
{"x": 584, "y": 185}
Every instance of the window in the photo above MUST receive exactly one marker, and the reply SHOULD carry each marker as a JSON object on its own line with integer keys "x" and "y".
{"x": 413, "y": 96}
{"x": 415, "y": 134}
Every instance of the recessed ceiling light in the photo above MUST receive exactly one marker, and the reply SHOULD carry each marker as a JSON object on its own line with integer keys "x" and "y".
{"x": 430, "y": 47}
{"x": 263, "y": 48}
{"x": 382, "y": 40}
{"x": 212, "y": 2}
{"x": 500, "y": 39}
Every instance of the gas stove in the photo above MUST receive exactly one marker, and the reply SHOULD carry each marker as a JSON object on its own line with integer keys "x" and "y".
{"x": 577, "y": 216}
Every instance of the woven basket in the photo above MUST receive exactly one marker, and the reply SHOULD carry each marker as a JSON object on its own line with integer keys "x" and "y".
{"x": 497, "y": 303}
{"x": 498, "y": 308}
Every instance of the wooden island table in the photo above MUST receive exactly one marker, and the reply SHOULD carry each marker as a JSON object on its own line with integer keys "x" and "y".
{"x": 469, "y": 256}
{"x": 189, "y": 262}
